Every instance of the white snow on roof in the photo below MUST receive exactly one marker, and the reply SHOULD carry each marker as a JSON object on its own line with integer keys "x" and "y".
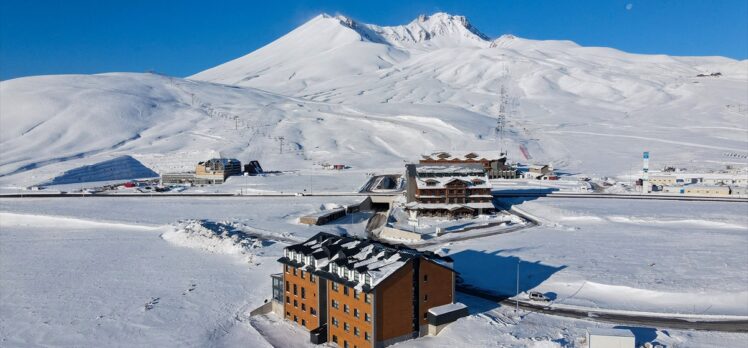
{"x": 351, "y": 244}
{"x": 472, "y": 181}
{"x": 384, "y": 269}
{"x": 426, "y": 206}
{"x": 447, "y": 308}
{"x": 464, "y": 155}
{"x": 452, "y": 168}
{"x": 610, "y": 332}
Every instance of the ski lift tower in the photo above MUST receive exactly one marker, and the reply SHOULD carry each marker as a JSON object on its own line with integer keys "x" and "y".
{"x": 501, "y": 118}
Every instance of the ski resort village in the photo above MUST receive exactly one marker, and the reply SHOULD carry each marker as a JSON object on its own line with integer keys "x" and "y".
{"x": 356, "y": 185}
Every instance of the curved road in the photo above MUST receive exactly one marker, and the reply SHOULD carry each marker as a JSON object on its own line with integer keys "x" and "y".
{"x": 618, "y": 318}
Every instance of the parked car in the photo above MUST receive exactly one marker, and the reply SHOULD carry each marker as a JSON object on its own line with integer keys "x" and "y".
{"x": 538, "y": 296}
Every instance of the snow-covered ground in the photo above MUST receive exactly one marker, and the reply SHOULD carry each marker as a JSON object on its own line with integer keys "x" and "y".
{"x": 274, "y": 214}
{"x": 673, "y": 257}
{"x": 81, "y": 271}
{"x": 81, "y": 283}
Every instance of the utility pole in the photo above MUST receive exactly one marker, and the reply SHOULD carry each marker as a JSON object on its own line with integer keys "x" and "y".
{"x": 516, "y": 298}
{"x": 281, "y": 144}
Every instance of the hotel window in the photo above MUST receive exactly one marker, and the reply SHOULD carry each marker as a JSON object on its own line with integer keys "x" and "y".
{"x": 345, "y": 290}
{"x": 345, "y": 308}
{"x": 355, "y": 331}
{"x": 333, "y": 268}
{"x": 302, "y": 274}
{"x": 367, "y": 317}
{"x": 311, "y": 278}
{"x": 313, "y": 311}
{"x": 303, "y": 322}
{"x": 288, "y": 314}
{"x": 303, "y": 292}
{"x": 286, "y": 268}
{"x": 288, "y": 299}
{"x": 345, "y": 344}
{"x": 288, "y": 287}
{"x": 425, "y": 278}
{"x": 295, "y": 290}
{"x": 425, "y": 315}
{"x": 425, "y": 298}
{"x": 295, "y": 318}
{"x": 366, "y": 336}
{"x": 355, "y": 312}
{"x": 334, "y": 322}
{"x": 303, "y": 307}
{"x": 335, "y": 338}
{"x": 294, "y": 271}
{"x": 356, "y": 294}
{"x": 335, "y": 286}
{"x": 367, "y": 299}
{"x": 346, "y": 327}
{"x": 295, "y": 303}
{"x": 335, "y": 304}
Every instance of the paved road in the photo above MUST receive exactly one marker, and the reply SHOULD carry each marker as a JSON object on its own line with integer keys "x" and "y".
{"x": 499, "y": 194}
{"x": 496, "y": 194}
{"x": 641, "y": 319}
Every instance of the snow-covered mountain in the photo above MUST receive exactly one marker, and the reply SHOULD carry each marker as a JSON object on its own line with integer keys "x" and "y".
{"x": 338, "y": 90}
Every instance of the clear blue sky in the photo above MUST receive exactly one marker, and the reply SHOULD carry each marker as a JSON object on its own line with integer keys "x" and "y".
{"x": 183, "y": 37}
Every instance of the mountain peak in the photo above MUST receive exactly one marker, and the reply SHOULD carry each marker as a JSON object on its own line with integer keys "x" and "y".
{"x": 440, "y": 29}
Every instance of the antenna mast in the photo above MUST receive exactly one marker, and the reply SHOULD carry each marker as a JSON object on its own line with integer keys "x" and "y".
{"x": 501, "y": 118}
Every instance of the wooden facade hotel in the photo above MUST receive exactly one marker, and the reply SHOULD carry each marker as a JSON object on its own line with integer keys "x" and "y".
{"x": 448, "y": 190}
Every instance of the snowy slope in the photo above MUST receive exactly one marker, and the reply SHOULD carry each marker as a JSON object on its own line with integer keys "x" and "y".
{"x": 369, "y": 96}
{"x": 566, "y": 99}
{"x": 54, "y": 124}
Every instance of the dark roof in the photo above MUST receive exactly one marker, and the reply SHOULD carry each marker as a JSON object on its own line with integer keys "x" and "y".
{"x": 364, "y": 256}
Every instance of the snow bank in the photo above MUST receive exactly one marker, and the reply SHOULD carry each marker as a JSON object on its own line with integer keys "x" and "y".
{"x": 214, "y": 237}
{"x": 61, "y": 222}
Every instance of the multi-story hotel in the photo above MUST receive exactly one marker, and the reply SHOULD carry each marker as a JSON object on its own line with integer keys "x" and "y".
{"x": 454, "y": 190}
{"x": 360, "y": 293}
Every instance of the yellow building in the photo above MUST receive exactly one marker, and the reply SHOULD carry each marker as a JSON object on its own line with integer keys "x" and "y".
{"x": 707, "y": 190}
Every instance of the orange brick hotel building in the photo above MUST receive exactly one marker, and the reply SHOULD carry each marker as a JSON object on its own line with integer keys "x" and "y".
{"x": 361, "y": 293}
